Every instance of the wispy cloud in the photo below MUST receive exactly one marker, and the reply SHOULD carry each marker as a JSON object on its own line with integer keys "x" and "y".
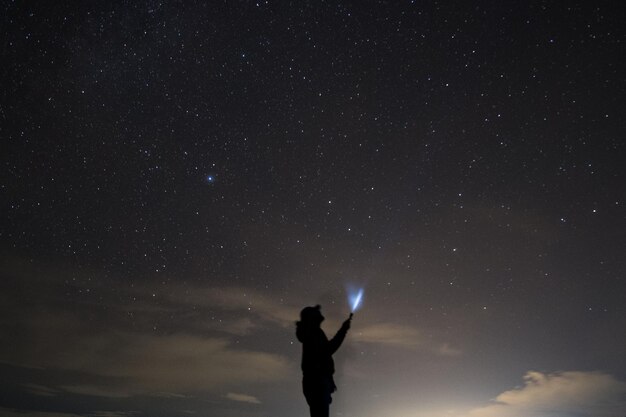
{"x": 389, "y": 334}
{"x": 581, "y": 394}
{"x": 112, "y": 414}
{"x": 120, "y": 363}
{"x": 9, "y": 412}
{"x": 237, "y": 299}
{"x": 244, "y": 398}
{"x": 135, "y": 364}
{"x": 113, "y": 391}
{"x": 402, "y": 336}
{"x": 116, "y": 350}
{"x": 41, "y": 390}
{"x": 446, "y": 350}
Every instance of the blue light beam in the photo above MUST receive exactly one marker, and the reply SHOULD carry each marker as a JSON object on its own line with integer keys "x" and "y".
{"x": 354, "y": 298}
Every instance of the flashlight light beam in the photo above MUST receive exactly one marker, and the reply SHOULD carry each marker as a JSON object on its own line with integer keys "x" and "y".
{"x": 355, "y": 299}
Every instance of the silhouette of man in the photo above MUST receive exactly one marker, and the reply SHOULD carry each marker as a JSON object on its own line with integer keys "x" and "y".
{"x": 317, "y": 361}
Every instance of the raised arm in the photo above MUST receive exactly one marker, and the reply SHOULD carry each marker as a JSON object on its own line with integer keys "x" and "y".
{"x": 337, "y": 340}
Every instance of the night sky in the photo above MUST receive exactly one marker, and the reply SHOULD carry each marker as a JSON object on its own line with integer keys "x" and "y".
{"x": 179, "y": 179}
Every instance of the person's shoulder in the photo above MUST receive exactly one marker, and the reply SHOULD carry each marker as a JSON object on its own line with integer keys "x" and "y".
{"x": 321, "y": 334}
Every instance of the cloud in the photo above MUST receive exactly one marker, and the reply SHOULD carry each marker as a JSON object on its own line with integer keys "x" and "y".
{"x": 146, "y": 364}
{"x": 446, "y": 350}
{"x": 244, "y": 398}
{"x": 104, "y": 345}
{"x": 402, "y": 336}
{"x": 389, "y": 334}
{"x": 563, "y": 394}
{"x": 122, "y": 364}
{"x": 41, "y": 390}
{"x": 99, "y": 391}
{"x": 9, "y": 412}
{"x": 237, "y": 299}
{"x": 240, "y": 327}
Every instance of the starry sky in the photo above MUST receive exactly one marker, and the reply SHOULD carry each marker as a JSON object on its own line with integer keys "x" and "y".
{"x": 179, "y": 179}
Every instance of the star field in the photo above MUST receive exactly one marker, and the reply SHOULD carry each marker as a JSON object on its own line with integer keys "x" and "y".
{"x": 181, "y": 178}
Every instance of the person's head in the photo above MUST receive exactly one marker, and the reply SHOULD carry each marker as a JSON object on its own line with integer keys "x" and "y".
{"x": 312, "y": 315}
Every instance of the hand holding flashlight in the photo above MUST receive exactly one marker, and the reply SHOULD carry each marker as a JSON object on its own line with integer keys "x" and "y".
{"x": 346, "y": 324}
